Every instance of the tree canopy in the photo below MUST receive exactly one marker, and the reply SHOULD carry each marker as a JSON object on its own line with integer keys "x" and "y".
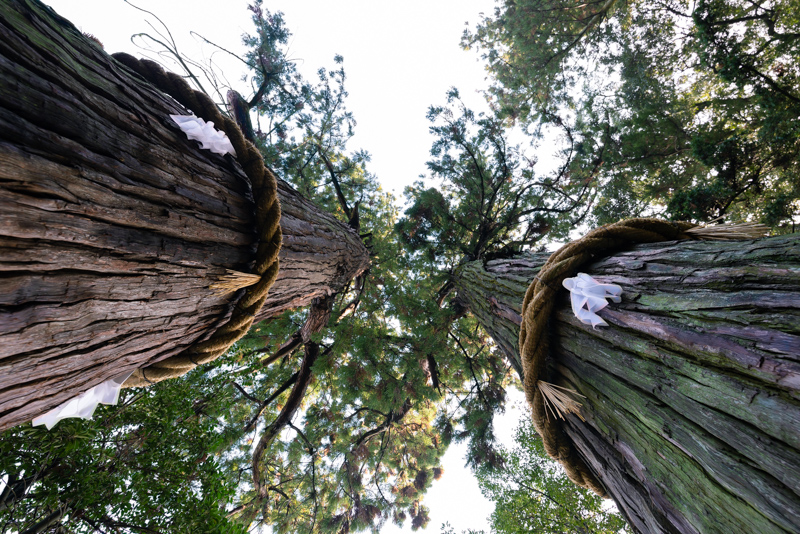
{"x": 668, "y": 107}
{"x": 487, "y": 200}
{"x": 533, "y": 494}
{"x": 336, "y": 418}
{"x": 330, "y": 419}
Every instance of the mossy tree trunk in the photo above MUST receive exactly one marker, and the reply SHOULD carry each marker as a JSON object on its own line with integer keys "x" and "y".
{"x": 113, "y": 223}
{"x": 693, "y": 390}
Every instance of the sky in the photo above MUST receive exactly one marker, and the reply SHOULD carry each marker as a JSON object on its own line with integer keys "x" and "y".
{"x": 400, "y": 58}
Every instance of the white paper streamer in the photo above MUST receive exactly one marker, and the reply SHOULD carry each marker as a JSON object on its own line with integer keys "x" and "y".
{"x": 84, "y": 405}
{"x": 588, "y": 297}
{"x": 204, "y": 132}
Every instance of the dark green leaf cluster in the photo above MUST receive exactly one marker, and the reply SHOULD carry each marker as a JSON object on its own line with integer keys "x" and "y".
{"x": 486, "y": 201}
{"x": 533, "y": 494}
{"x": 150, "y": 464}
{"x": 674, "y": 108}
{"x": 280, "y": 92}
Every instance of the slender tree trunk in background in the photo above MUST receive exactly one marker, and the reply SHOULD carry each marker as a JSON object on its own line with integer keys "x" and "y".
{"x": 113, "y": 223}
{"x": 693, "y": 390}
{"x": 493, "y": 294}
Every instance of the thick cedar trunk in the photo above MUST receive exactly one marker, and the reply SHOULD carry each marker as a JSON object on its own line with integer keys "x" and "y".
{"x": 113, "y": 223}
{"x": 693, "y": 390}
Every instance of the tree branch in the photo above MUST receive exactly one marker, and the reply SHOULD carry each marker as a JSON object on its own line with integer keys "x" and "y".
{"x": 289, "y": 409}
{"x": 292, "y": 379}
{"x": 392, "y": 417}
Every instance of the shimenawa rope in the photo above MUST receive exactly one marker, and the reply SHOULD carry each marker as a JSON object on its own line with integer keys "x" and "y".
{"x": 268, "y": 215}
{"x": 540, "y": 301}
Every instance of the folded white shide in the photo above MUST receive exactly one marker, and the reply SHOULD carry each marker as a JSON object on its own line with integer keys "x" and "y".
{"x": 84, "y": 405}
{"x": 588, "y": 296}
{"x": 204, "y": 132}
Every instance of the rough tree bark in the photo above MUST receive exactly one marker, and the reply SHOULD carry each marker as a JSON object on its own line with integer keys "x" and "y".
{"x": 693, "y": 390}
{"x": 113, "y": 224}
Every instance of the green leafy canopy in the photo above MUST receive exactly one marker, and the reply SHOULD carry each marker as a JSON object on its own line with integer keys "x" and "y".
{"x": 677, "y": 108}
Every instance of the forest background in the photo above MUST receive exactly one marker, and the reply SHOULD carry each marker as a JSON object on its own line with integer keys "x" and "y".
{"x": 685, "y": 111}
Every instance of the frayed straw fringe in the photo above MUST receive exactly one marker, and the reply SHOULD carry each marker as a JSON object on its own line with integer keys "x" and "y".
{"x": 234, "y": 281}
{"x": 729, "y": 232}
{"x": 558, "y": 401}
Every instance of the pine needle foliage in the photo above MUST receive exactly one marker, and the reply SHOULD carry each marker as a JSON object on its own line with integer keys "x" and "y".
{"x": 683, "y": 109}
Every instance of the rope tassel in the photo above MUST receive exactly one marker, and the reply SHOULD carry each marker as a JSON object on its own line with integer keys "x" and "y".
{"x": 557, "y": 400}
{"x": 547, "y": 399}
{"x": 729, "y": 232}
{"x": 233, "y": 281}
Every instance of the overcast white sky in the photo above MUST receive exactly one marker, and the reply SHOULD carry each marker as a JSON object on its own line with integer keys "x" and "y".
{"x": 400, "y": 58}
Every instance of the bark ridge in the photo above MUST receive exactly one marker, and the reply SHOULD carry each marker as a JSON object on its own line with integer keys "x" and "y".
{"x": 113, "y": 223}
{"x": 693, "y": 391}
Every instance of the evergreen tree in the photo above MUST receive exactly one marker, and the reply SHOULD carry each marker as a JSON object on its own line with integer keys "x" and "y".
{"x": 151, "y": 464}
{"x": 673, "y": 108}
{"x": 532, "y": 494}
{"x": 482, "y": 198}
{"x": 335, "y": 418}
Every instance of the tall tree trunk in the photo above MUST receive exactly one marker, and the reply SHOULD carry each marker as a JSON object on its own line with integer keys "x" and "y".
{"x": 693, "y": 390}
{"x": 113, "y": 223}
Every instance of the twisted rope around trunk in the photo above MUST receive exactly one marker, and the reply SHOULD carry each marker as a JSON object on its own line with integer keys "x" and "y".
{"x": 538, "y": 306}
{"x": 268, "y": 215}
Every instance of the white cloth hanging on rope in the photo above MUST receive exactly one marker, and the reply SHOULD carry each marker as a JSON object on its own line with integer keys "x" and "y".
{"x": 84, "y": 405}
{"x": 588, "y": 296}
{"x": 209, "y": 137}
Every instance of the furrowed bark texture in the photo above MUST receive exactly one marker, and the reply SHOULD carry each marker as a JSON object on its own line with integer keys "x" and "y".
{"x": 693, "y": 390}
{"x": 492, "y": 292}
{"x": 113, "y": 223}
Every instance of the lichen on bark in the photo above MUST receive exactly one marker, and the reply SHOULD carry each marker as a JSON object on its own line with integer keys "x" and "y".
{"x": 693, "y": 391}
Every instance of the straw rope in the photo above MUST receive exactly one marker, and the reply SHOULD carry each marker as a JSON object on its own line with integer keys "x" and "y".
{"x": 268, "y": 215}
{"x": 540, "y": 301}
